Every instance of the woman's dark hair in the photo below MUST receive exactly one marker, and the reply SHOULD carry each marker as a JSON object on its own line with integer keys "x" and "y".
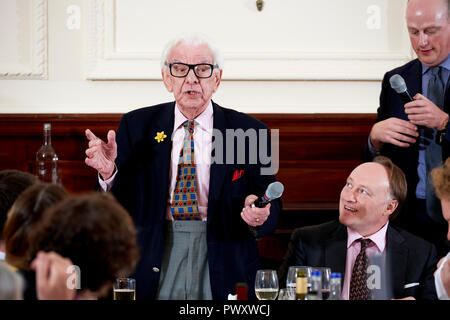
{"x": 95, "y": 232}
{"x": 12, "y": 184}
{"x": 25, "y": 213}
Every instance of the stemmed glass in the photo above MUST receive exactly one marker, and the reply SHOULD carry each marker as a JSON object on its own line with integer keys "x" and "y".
{"x": 292, "y": 278}
{"x": 266, "y": 284}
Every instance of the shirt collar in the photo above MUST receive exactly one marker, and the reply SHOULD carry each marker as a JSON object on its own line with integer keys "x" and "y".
{"x": 203, "y": 120}
{"x": 379, "y": 237}
{"x": 445, "y": 64}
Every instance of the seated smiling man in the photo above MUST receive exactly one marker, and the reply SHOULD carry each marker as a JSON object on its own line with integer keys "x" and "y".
{"x": 372, "y": 195}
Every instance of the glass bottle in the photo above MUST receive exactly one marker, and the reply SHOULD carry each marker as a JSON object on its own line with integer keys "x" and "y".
{"x": 301, "y": 284}
{"x": 335, "y": 286}
{"x": 241, "y": 289}
{"x": 46, "y": 158}
{"x": 315, "y": 292}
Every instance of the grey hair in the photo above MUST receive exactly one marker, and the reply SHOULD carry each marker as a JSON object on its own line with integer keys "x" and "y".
{"x": 11, "y": 284}
{"x": 195, "y": 39}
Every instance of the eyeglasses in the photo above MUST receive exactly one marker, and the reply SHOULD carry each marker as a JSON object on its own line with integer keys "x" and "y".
{"x": 181, "y": 70}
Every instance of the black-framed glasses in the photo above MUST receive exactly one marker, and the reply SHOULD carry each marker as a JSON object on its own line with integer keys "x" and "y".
{"x": 181, "y": 70}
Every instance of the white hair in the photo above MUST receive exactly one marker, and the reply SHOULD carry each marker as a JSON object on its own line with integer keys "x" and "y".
{"x": 195, "y": 39}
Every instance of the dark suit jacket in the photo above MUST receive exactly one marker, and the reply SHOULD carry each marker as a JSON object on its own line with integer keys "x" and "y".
{"x": 142, "y": 185}
{"x": 409, "y": 259}
{"x": 392, "y": 106}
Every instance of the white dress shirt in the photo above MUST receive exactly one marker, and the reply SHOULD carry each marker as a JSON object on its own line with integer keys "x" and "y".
{"x": 440, "y": 290}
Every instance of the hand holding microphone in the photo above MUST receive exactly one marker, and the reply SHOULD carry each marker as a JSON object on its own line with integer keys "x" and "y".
{"x": 421, "y": 111}
{"x": 395, "y": 131}
{"x": 257, "y": 209}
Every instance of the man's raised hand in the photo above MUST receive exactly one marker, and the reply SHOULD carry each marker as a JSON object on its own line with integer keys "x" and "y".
{"x": 101, "y": 155}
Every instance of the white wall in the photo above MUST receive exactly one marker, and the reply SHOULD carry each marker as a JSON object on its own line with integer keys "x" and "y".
{"x": 295, "y": 56}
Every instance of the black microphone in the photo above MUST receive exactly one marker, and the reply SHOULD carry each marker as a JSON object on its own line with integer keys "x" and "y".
{"x": 273, "y": 191}
{"x": 399, "y": 85}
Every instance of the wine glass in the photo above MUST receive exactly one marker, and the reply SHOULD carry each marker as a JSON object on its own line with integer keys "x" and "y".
{"x": 291, "y": 279}
{"x": 266, "y": 284}
{"x": 326, "y": 274}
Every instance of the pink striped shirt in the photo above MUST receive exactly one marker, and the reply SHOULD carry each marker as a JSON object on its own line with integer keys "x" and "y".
{"x": 354, "y": 247}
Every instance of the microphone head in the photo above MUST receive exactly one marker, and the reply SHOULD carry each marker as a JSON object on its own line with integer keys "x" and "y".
{"x": 398, "y": 83}
{"x": 274, "y": 190}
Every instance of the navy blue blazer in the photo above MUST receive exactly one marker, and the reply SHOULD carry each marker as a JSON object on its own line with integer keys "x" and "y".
{"x": 409, "y": 259}
{"x": 392, "y": 106}
{"x": 142, "y": 185}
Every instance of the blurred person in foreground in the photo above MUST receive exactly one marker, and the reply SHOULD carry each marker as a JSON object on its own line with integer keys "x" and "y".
{"x": 190, "y": 196}
{"x": 12, "y": 184}
{"x": 416, "y": 135}
{"x": 24, "y": 215}
{"x": 371, "y": 197}
{"x": 55, "y": 277}
{"x": 95, "y": 233}
{"x": 441, "y": 181}
{"x": 11, "y": 283}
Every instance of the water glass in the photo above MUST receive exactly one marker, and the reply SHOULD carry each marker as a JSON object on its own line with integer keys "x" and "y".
{"x": 286, "y": 294}
{"x": 326, "y": 274}
{"x": 125, "y": 289}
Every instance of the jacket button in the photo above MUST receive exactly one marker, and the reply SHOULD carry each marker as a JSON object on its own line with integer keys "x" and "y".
{"x": 155, "y": 269}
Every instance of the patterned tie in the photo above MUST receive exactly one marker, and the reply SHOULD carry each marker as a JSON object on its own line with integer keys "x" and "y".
{"x": 358, "y": 283}
{"x": 433, "y": 152}
{"x": 184, "y": 204}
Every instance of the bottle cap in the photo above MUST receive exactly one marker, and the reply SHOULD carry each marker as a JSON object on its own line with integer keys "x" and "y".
{"x": 316, "y": 273}
{"x": 47, "y": 126}
{"x": 335, "y": 275}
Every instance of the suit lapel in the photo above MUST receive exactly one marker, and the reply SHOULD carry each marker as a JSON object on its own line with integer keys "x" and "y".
{"x": 162, "y": 150}
{"x": 336, "y": 249}
{"x": 218, "y": 171}
{"x": 396, "y": 261}
{"x": 413, "y": 79}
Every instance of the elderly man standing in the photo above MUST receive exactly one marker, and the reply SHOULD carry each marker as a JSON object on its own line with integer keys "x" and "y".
{"x": 416, "y": 135}
{"x": 363, "y": 236}
{"x": 190, "y": 200}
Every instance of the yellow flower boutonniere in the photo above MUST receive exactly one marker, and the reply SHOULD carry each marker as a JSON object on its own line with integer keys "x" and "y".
{"x": 160, "y": 136}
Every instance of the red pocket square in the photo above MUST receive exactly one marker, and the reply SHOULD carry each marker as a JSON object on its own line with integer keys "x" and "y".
{"x": 237, "y": 174}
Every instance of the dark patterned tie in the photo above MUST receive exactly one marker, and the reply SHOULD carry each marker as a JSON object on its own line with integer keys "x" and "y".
{"x": 358, "y": 283}
{"x": 433, "y": 152}
{"x": 184, "y": 204}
